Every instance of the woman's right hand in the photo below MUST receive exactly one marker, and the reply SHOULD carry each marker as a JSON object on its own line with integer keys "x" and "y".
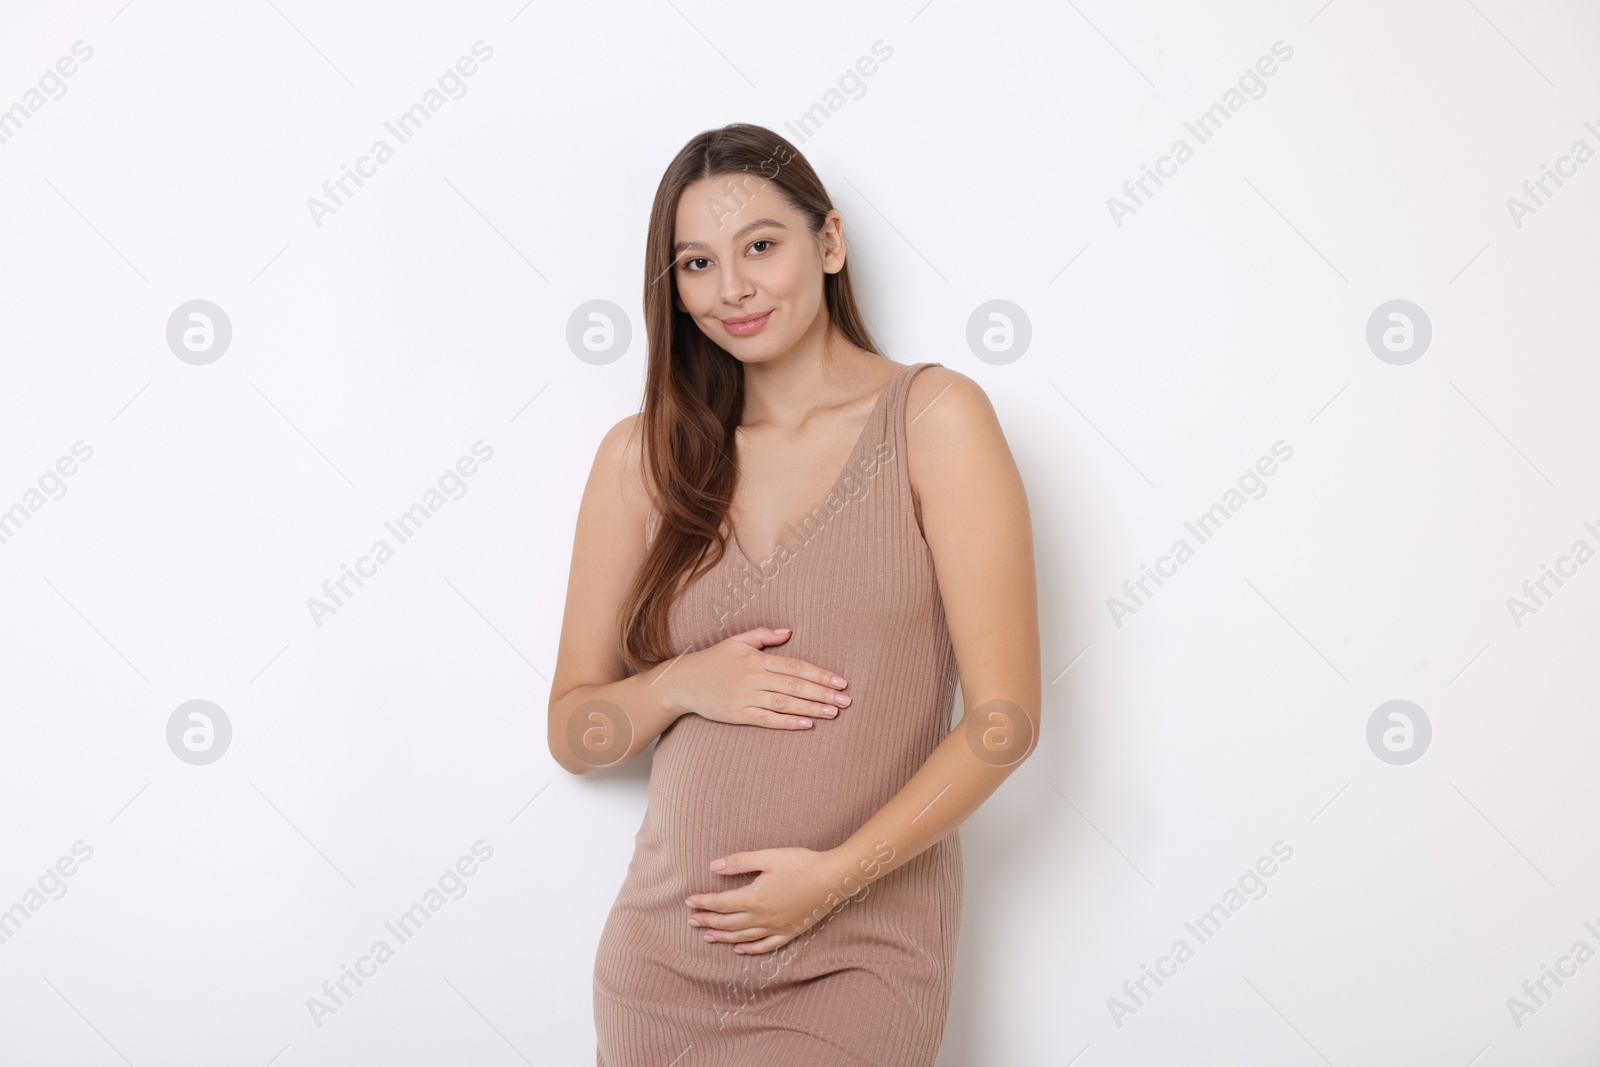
{"x": 735, "y": 682}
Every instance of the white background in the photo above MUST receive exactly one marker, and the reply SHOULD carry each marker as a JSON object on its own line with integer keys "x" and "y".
{"x": 1168, "y": 354}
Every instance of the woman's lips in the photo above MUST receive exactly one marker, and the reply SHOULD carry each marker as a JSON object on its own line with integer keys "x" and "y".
{"x": 748, "y": 326}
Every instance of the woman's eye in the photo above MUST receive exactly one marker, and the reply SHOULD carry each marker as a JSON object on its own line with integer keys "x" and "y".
{"x": 688, "y": 264}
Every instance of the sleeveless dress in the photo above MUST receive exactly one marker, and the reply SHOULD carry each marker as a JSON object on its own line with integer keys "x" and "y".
{"x": 869, "y": 985}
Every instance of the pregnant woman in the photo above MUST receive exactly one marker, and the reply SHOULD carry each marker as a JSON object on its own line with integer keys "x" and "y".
{"x": 783, "y": 565}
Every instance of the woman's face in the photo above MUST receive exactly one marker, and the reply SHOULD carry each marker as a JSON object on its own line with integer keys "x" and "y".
{"x": 747, "y": 267}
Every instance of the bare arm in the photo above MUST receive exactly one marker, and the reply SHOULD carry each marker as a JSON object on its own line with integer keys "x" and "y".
{"x": 599, "y": 714}
{"x": 975, "y": 519}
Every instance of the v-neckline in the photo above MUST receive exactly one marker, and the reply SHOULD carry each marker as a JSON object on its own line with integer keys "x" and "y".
{"x": 872, "y": 417}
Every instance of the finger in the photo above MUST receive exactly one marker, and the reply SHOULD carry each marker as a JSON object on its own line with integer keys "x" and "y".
{"x": 716, "y": 920}
{"x": 752, "y": 933}
{"x": 766, "y": 944}
{"x": 812, "y": 684}
{"x": 807, "y": 670}
{"x": 785, "y": 720}
{"x": 801, "y": 700}
{"x": 762, "y": 636}
{"x": 753, "y": 861}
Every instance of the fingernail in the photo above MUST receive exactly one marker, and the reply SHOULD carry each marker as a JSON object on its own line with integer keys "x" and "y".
{"x": 693, "y": 921}
{"x": 804, "y": 723}
{"x": 710, "y": 938}
{"x": 838, "y": 680}
{"x": 717, "y": 865}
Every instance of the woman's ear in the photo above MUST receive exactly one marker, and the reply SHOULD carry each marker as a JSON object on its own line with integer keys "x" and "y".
{"x": 831, "y": 242}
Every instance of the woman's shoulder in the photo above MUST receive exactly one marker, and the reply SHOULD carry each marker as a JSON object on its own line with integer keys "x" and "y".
{"x": 620, "y": 459}
{"x": 942, "y": 403}
{"x": 951, "y": 430}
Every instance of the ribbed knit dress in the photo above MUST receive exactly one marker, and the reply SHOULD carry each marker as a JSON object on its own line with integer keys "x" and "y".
{"x": 868, "y": 986}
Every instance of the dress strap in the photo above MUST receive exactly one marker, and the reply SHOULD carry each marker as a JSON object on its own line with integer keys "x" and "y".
{"x": 896, "y": 408}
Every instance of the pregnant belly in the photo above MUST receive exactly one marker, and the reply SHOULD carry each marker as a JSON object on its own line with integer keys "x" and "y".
{"x": 717, "y": 788}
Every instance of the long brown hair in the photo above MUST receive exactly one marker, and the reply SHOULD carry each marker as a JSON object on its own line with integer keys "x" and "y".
{"x": 694, "y": 390}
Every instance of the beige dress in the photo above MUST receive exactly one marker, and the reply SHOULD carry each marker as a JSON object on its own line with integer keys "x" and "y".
{"x": 869, "y": 986}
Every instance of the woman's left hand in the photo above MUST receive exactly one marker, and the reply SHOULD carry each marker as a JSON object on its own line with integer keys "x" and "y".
{"x": 796, "y": 889}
